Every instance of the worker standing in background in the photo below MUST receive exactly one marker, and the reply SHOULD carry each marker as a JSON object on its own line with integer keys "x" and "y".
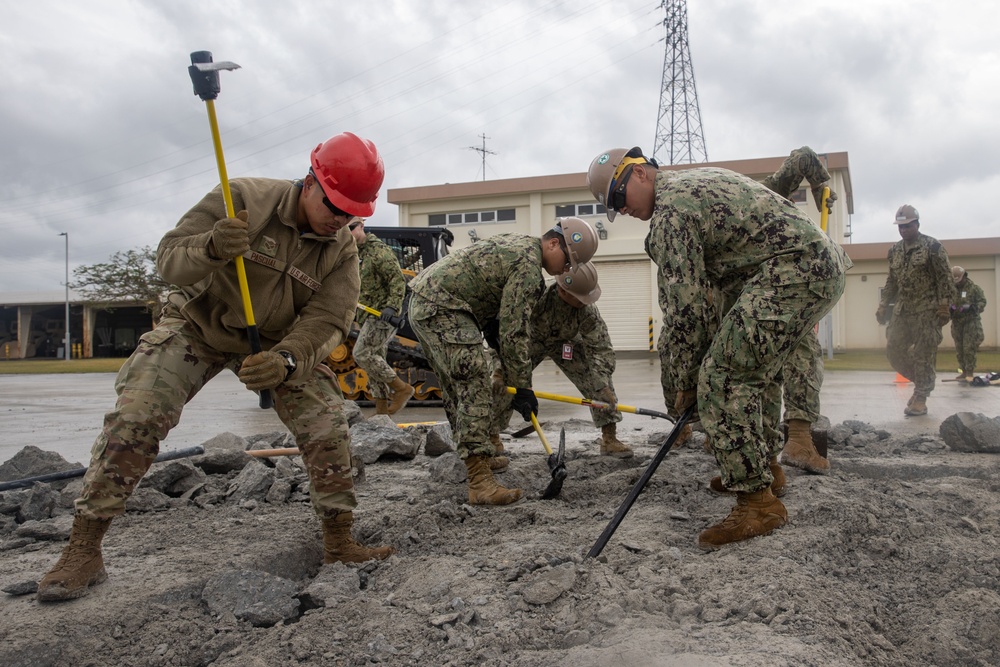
{"x": 497, "y": 278}
{"x": 382, "y": 288}
{"x": 713, "y": 228}
{"x": 568, "y": 328}
{"x": 921, "y": 286}
{"x": 966, "y": 323}
{"x": 802, "y": 373}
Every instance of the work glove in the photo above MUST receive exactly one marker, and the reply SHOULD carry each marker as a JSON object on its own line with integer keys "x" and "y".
{"x": 263, "y": 370}
{"x": 388, "y": 315}
{"x": 606, "y": 395}
{"x": 525, "y": 403}
{"x": 685, "y": 399}
{"x": 817, "y": 191}
{"x": 880, "y": 315}
{"x": 943, "y": 315}
{"x": 230, "y": 237}
{"x": 953, "y": 309}
{"x": 491, "y": 333}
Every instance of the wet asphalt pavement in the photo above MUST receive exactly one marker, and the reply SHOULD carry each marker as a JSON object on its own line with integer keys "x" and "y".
{"x": 64, "y": 413}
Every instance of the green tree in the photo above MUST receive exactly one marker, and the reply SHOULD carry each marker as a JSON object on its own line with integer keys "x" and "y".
{"x": 128, "y": 276}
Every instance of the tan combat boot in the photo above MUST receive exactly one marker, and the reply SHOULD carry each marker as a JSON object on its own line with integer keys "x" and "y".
{"x": 81, "y": 564}
{"x": 381, "y": 406}
{"x": 800, "y": 452}
{"x": 917, "y": 406}
{"x": 483, "y": 489}
{"x": 777, "y": 486}
{"x": 498, "y": 463}
{"x": 401, "y": 393}
{"x": 611, "y": 445}
{"x": 755, "y": 514}
{"x": 339, "y": 546}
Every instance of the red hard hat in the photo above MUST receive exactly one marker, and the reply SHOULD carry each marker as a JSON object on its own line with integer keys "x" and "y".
{"x": 350, "y": 172}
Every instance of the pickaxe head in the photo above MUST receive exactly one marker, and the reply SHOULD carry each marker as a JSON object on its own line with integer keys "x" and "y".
{"x": 557, "y": 466}
{"x": 205, "y": 74}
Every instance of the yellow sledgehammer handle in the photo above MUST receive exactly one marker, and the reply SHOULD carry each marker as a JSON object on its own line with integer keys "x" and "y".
{"x": 593, "y": 404}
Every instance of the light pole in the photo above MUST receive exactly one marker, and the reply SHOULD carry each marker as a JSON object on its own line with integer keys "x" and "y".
{"x": 66, "y": 351}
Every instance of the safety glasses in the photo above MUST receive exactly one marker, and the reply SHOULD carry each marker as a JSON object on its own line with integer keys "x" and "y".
{"x": 619, "y": 181}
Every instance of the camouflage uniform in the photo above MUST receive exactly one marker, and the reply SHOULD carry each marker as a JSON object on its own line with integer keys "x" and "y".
{"x": 495, "y": 278}
{"x": 919, "y": 281}
{"x": 308, "y": 287}
{"x": 802, "y": 374}
{"x": 557, "y": 331}
{"x": 716, "y": 228}
{"x": 966, "y": 325}
{"x": 382, "y": 286}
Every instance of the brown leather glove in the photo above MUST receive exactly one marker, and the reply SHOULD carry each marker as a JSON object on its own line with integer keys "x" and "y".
{"x": 817, "y": 191}
{"x": 264, "y": 370}
{"x": 686, "y": 398}
{"x": 943, "y": 315}
{"x": 230, "y": 237}
{"x": 880, "y": 315}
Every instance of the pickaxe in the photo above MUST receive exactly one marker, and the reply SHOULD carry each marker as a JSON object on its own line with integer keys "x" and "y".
{"x": 595, "y": 404}
{"x": 619, "y": 516}
{"x": 205, "y": 77}
{"x": 557, "y": 463}
{"x": 397, "y": 321}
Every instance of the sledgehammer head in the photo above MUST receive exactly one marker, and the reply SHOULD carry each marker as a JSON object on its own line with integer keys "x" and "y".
{"x": 205, "y": 74}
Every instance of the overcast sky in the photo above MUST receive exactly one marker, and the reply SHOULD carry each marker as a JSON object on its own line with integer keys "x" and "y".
{"x": 103, "y": 137}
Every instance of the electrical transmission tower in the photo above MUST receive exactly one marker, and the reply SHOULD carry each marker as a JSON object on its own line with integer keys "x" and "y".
{"x": 483, "y": 151}
{"x": 679, "y": 137}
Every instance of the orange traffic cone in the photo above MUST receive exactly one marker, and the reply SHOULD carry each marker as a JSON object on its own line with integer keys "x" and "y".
{"x": 900, "y": 379}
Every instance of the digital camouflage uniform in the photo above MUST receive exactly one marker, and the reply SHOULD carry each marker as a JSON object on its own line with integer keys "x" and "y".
{"x": 716, "y": 228}
{"x": 966, "y": 323}
{"x": 496, "y": 278}
{"x": 382, "y": 286}
{"x": 305, "y": 288}
{"x": 802, "y": 374}
{"x": 557, "y": 331}
{"x": 919, "y": 282}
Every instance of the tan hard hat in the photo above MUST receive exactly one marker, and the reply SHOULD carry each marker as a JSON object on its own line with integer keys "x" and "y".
{"x": 581, "y": 240}
{"x": 581, "y": 282}
{"x": 905, "y": 215}
{"x": 607, "y": 168}
{"x": 957, "y": 273}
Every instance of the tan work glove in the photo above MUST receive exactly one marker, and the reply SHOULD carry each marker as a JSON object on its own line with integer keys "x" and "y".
{"x": 264, "y": 370}
{"x": 880, "y": 315}
{"x": 817, "y": 191}
{"x": 943, "y": 315}
{"x": 230, "y": 237}
{"x": 686, "y": 398}
{"x": 606, "y": 395}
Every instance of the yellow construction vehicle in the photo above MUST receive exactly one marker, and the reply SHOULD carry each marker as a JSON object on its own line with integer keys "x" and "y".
{"x": 416, "y": 249}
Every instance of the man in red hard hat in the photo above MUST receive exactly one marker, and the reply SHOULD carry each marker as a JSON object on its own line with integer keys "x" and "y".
{"x": 302, "y": 266}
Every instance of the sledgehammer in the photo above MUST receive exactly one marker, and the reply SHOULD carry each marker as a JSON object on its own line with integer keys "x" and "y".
{"x": 205, "y": 77}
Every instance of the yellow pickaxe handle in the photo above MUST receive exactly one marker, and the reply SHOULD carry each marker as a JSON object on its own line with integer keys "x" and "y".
{"x": 541, "y": 436}
{"x": 394, "y": 321}
{"x": 266, "y": 400}
{"x": 594, "y": 404}
{"x": 824, "y": 210}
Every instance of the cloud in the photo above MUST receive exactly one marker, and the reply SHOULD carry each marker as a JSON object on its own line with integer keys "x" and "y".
{"x": 104, "y": 138}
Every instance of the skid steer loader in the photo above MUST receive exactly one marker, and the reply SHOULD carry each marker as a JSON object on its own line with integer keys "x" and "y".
{"x": 416, "y": 248}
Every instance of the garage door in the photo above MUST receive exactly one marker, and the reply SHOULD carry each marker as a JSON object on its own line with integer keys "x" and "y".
{"x": 626, "y": 295}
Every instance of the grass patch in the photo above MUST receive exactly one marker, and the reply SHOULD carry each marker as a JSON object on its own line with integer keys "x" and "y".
{"x": 46, "y": 366}
{"x": 875, "y": 360}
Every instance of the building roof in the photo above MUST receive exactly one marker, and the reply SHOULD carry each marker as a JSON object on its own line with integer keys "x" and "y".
{"x": 955, "y": 247}
{"x": 756, "y": 167}
{"x": 39, "y": 298}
